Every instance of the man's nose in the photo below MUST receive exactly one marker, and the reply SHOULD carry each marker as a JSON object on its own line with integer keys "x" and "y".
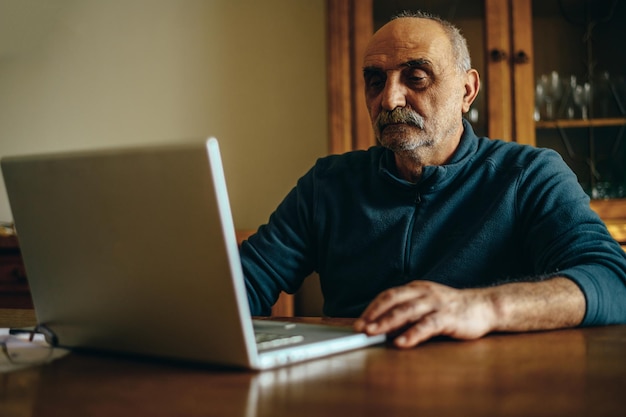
{"x": 394, "y": 94}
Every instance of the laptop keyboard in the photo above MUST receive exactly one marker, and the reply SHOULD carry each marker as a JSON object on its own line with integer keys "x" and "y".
{"x": 270, "y": 340}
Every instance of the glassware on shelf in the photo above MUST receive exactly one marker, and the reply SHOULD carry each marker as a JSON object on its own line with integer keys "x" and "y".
{"x": 606, "y": 190}
{"x": 548, "y": 95}
{"x": 558, "y": 97}
{"x": 568, "y": 106}
{"x": 539, "y": 100}
{"x": 582, "y": 98}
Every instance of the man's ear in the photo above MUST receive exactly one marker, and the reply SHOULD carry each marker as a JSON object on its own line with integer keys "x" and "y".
{"x": 472, "y": 86}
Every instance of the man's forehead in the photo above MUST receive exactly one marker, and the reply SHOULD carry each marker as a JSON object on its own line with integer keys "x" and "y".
{"x": 406, "y": 39}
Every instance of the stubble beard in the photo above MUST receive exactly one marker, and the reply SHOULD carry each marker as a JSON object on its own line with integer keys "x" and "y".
{"x": 397, "y": 130}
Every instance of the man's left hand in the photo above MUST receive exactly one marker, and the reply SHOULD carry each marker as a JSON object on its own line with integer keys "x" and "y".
{"x": 420, "y": 310}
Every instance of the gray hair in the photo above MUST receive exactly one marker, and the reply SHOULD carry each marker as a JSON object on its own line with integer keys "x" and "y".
{"x": 457, "y": 40}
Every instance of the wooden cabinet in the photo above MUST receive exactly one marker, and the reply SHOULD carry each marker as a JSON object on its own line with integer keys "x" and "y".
{"x": 514, "y": 45}
{"x": 14, "y": 291}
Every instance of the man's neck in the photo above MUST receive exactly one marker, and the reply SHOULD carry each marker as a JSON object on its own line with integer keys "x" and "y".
{"x": 408, "y": 168}
{"x": 410, "y": 164}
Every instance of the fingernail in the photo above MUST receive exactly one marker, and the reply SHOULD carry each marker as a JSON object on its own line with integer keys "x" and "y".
{"x": 372, "y": 327}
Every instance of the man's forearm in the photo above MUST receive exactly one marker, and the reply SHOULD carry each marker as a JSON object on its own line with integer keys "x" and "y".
{"x": 423, "y": 309}
{"x": 541, "y": 305}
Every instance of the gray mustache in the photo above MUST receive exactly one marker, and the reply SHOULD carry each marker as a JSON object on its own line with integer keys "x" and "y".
{"x": 399, "y": 115}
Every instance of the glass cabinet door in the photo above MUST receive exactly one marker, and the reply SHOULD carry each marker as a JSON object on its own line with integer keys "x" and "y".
{"x": 580, "y": 90}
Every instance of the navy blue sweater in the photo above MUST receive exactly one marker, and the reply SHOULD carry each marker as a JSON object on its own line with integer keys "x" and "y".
{"x": 498, "y": 212}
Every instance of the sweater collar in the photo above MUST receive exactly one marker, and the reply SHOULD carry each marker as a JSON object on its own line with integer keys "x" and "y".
{"x": 434, "y": 177}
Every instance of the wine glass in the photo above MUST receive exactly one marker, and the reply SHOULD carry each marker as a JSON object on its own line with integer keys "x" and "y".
{"x": 548, "y": 94}
{"x": 582, "y": 96}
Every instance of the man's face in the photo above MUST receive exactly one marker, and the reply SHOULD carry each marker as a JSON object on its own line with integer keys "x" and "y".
{"x": 413, "y": 89}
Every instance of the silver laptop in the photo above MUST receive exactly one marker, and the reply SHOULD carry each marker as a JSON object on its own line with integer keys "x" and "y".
{"x": 133, "y": 250}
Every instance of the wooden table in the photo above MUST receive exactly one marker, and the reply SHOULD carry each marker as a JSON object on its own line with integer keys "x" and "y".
{"x": 580, "y": 372}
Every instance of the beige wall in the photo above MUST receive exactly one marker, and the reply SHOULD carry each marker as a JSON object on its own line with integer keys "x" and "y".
{"x": 76, "y": 74}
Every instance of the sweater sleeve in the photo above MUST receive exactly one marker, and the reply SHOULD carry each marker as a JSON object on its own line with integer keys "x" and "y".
{"x": 278, "y": 257}
{"x": 564, "y": 237}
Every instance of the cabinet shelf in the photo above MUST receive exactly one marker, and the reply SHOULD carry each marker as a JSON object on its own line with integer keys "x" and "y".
{"x": 565, "y": 123}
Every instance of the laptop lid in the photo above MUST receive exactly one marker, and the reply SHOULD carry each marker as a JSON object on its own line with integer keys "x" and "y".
{"x": 133, "y": 250}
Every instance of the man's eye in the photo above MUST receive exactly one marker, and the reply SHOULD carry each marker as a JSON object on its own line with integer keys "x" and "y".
{"x": 417, "y": 77}
{"x": 375, "y": 82}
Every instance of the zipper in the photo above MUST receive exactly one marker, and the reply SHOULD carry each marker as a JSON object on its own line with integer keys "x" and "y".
{"x": 409, "y": 236}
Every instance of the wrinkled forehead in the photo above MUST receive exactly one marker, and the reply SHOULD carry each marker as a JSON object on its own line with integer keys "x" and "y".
{"x": 406, "y": 39}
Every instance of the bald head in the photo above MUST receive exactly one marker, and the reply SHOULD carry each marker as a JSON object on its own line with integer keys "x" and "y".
{"x": 425, "y": 21}
{"x": 408, "y": 39}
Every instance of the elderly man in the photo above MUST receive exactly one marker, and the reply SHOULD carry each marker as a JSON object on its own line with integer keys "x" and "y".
{"x": 437, "y": 231}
